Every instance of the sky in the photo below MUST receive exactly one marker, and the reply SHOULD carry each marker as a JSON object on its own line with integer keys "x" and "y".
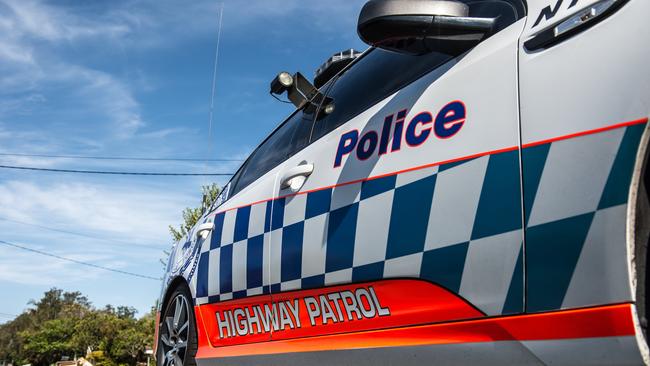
{"x": 134, "y": 78}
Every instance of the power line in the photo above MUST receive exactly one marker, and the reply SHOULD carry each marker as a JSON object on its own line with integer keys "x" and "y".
{"x": 119, "y": 242}
{"x": 90, "y": 157}
{"x": 77, "y": 262}
{"x": 6, "y": 315}
{"x": 112, "y": 172}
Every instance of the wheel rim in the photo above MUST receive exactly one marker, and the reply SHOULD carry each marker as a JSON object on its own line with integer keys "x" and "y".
{"x": 174, "y": 332}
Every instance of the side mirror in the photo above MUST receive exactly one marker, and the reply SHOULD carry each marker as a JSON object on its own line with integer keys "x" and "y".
{"x": 421, "y": 26}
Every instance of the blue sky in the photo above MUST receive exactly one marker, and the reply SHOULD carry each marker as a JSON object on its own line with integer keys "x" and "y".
{"x": 133, "y": 78}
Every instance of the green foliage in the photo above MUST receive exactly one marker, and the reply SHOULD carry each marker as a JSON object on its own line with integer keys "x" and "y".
{"x": 192, "y": 215}
{"x": 46, "y": 344}
{"x": 66, "y": 324}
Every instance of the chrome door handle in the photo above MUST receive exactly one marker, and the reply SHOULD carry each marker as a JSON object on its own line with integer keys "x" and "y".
{"x": 295, "y": 177}
{"x": 204, "y": 229}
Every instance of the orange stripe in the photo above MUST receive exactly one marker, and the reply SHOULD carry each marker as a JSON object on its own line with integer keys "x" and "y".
{"x": 467, "y": 157}
{"x": 604, "y": 321}
{"x": 155, "y": 333}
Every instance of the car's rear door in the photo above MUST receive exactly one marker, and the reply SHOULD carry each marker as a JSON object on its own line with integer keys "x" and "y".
{"x": 412, "y": 213}
{"x": 232, "y": 281}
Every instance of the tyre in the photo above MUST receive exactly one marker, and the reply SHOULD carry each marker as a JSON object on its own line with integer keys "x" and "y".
{"x": 177, "y": 341}
{"x": 641, "y": 240}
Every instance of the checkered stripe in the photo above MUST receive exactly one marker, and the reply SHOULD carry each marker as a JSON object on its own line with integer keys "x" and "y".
{"x": 575, "y": 198}
{"x": 458, "y": 225}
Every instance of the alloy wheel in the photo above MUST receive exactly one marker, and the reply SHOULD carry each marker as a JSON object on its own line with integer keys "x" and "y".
{"x": 174, "y": 333}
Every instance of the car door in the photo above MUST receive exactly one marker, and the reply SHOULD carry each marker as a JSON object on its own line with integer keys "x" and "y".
{"x": 582, "y": 118}
{"x": 407, "y": 204}
{"x": 232, "y": 281}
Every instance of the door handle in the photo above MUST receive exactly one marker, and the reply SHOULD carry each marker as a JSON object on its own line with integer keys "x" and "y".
{"x": 204, "y": 229}
{"x": 295, "y": 177}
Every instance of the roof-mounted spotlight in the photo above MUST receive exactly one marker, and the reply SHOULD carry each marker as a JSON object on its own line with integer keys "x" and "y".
{"x": 300, "y": 91}
{"x": 282, "y": 82}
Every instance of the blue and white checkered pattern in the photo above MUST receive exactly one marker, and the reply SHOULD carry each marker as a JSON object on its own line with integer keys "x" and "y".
{"x": 457, "y": 225}
{"x": 436, "y": 223}
{"x": 575, "y": 197}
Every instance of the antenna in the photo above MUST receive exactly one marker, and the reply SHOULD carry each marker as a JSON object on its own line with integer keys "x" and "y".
{"x": 214, "y": 82}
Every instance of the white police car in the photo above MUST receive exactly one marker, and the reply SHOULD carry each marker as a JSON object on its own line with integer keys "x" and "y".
{"x": 470, "y": 190}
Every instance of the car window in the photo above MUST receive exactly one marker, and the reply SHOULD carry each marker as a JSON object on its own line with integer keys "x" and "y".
{"x": 375, "y": 76}
{"x": 286, "y": 140}
{"x": 381, "y": 73}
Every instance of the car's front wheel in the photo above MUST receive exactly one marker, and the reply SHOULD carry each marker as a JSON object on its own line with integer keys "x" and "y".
{"x": 177, "y": 342}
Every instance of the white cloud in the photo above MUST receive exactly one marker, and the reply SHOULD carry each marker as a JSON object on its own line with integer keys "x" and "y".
{"x": 14, "y": 53}
{"x": 21, "y": 267}
{"x": 30, "y": 35}
{"x": 106, "y": 94}
{"x": 42, "y": 21}
{"x": 162, "y": 133}
{"x": 113, "y": 209}
{"x": 94, "y": 90}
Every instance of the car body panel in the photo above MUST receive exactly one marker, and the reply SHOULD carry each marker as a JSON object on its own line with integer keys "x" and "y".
{"x": 577, "y": 188}
{"x": 531, "y": 331}
{"x": 595, "y": 351}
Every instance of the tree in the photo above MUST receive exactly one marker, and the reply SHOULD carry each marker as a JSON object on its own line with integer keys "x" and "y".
{"x": 50, "y": 341}
{"x": 192, "y": 215}
{"x": 55, "y": 301}
{"x": 66, "y": 324}
{"x": 10, "y": 344}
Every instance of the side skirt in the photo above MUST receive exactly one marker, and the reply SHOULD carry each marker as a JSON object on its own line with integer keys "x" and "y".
{"x": 540, "y": 333}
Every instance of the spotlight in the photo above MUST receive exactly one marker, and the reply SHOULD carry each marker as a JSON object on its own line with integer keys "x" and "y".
{"x": 281, "y": 83}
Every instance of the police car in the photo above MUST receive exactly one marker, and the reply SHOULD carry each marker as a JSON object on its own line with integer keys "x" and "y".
{"x": 472, "y": 189}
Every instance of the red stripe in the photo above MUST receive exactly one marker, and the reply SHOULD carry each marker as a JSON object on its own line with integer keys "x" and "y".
{"x": 604, "y": 321}
{"x": 405, "y": 170}
{"x": 588, "y": 132}
{"x": 467, "y": 157}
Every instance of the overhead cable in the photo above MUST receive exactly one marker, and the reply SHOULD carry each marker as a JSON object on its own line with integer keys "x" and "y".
{"x": 17, "y": 246}
{"x": 119, "y": 242}
{"x": 133, "y": 158}
{"x": 77, "y": 171}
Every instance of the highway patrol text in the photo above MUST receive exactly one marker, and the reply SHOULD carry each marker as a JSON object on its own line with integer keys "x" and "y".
{"x": 330, "y": 308}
